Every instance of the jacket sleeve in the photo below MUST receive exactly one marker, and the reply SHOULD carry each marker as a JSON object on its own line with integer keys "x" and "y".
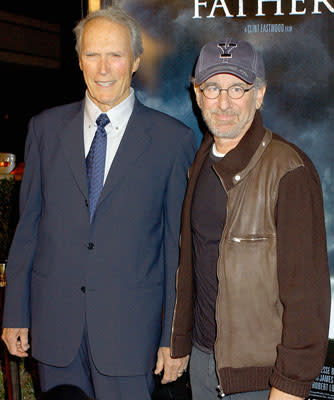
{"x": 20, "y": 260}
{"x": 172, "y": 215}
{"x": 304, "y": 283}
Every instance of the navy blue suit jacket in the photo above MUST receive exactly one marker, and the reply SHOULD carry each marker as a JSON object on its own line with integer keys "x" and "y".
{"x": 126, "y": 259}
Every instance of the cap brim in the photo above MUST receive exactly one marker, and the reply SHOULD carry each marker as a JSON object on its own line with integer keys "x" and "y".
{"x": 242, "y": 73}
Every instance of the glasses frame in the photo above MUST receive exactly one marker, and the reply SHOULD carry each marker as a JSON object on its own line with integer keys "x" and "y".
{"x": 227, "y": 91}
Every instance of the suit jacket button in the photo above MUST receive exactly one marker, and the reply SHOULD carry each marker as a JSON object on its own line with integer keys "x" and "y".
{"x": 83, "y": 289}
{"x": 90, "y": 246}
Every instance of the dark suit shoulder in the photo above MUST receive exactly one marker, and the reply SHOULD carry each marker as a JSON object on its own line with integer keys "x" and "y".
{"x": 62, "y": 113}
{"x": 55, "y": 120}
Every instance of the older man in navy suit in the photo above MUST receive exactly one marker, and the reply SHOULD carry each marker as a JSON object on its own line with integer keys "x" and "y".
{"x": 91, "y": 271}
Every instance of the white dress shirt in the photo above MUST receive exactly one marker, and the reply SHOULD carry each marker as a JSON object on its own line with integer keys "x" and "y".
{"x": 118, "y": 116}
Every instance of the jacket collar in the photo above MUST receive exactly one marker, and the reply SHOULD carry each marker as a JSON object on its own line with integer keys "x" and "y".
{"x": 72, "y": 139}
{"x": 135, "y": 141}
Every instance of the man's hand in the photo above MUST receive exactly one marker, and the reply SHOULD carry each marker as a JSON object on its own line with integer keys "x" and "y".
{"x": 276, "y": 394}
{"x": 173, "y": 367}
{"x": 16, "y": 340}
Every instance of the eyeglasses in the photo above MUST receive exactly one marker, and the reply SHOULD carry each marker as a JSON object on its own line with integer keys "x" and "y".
{"x": 234, "y": 92}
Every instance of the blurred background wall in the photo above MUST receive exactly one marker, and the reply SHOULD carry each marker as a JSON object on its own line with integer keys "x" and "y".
{"x": 38, "y": 67}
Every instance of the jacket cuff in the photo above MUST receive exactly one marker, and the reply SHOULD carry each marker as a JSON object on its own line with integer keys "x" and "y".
{"x": 287, "y": 385}
{"x": 164, "y": 341}
{"x": 180, "y": 345}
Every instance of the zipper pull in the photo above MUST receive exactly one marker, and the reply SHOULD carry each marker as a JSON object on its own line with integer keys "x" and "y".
{"x": 221, "y": 393}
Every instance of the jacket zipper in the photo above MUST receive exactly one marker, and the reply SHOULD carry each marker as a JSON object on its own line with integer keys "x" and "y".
{"x": 220, "y": 388}
{"x": 255, "y": 239}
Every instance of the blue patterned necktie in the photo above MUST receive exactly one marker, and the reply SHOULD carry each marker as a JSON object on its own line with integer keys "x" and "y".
{"x": 95, "y": 163}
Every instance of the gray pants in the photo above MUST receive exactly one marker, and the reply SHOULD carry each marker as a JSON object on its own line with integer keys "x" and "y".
{"x": 203, "y": 380}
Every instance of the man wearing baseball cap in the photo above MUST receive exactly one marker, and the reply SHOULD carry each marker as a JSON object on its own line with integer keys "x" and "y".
{"x": 253, "y": 293}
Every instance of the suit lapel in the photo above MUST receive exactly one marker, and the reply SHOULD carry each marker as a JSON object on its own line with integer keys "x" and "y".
{"x": 73, "y": 144}
{"x": 135, "y": 142}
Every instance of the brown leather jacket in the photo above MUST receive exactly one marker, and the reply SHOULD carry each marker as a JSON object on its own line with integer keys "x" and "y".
{"x": 249, "y": 306}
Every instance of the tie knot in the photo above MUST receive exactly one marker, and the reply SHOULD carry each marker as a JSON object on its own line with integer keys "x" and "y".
{"x": 102, "y": 120}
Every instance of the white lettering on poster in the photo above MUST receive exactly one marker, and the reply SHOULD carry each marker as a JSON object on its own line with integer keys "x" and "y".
{"x": 294, "y": 10}
{"x": 325, "y": 381}
{"x": 325, "y": 2}
{"x": 221, "y": 5}
{"x": 278, "y": 7}
{"x": 227, "y": 8}
{"x": 268, "y": 28}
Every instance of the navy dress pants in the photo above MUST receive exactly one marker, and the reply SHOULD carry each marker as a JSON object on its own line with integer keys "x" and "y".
{"x": 83, "y": 373}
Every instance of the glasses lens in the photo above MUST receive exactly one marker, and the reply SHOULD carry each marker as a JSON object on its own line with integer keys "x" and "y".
{"x": 236, "y": 92}
{"x": 211, "y": 92}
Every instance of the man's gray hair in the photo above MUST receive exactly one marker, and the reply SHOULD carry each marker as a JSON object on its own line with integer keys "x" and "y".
{"x": 119, "y": 16}
{"x": 259, "y": 83}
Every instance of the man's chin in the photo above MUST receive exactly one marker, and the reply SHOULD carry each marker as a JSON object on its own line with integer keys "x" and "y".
{"x": 224, "y": 130}
{"x": 225, "y": 133}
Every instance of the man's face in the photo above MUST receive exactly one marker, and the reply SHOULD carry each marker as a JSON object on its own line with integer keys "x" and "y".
{"x": 106, "y": 62}
{"x": 225, "y": 117}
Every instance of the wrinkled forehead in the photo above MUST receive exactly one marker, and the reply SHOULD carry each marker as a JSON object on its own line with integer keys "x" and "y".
{"x": 103, "y": 30}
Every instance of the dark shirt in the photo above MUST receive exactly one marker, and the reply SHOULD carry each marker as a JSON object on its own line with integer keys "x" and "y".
{"x": 207, "y": 221}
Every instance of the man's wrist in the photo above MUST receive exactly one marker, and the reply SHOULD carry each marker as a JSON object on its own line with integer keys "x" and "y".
{"x": 276, "y": 394}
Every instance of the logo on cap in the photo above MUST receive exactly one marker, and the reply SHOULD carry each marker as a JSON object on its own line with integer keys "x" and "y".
{"x": 226, "y": 48}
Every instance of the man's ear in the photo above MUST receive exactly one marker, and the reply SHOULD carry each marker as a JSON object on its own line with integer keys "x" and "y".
{"x": 80, "y": 66}
{"x": 135, "y": 65}
{"x": 259, "y": 96}
{"x": 198, "y": 95}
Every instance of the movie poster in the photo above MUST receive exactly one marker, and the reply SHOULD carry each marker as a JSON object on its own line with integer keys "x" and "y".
{"x": 296, "y": 38}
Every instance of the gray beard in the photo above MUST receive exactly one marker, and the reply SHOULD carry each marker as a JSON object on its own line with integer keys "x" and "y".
{"x": 233, "y": 133}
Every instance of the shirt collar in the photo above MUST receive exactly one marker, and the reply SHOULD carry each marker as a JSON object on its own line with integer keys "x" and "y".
{"x": 118, "y": 115}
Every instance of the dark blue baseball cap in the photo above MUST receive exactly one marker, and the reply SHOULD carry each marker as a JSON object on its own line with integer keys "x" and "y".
{"x": 230, "y": 56}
